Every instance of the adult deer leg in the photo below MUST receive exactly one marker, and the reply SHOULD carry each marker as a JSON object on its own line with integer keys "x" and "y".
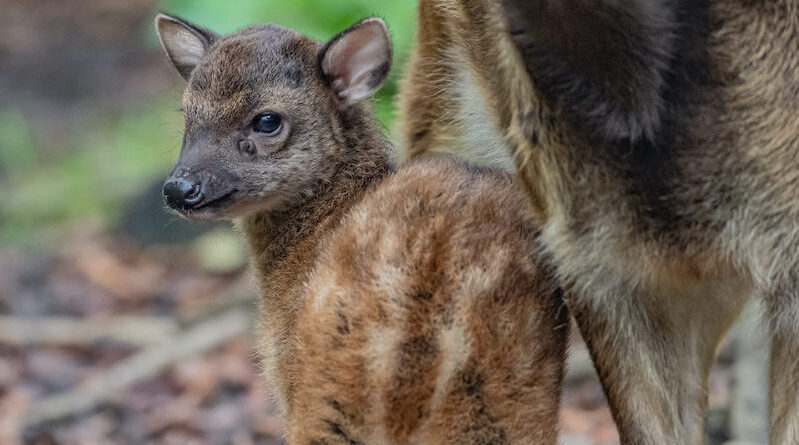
{"x": 653, "y": 351}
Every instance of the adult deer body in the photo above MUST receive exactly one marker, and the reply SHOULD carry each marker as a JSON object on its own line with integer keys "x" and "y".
{"x": 658, "y": 142}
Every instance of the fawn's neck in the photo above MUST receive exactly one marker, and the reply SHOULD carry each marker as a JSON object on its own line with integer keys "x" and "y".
{"x": 285, "y": 242}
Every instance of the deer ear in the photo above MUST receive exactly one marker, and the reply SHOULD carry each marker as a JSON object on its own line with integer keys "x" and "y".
{"x": 357, "y": 61}
{"x": 184, "y": 43}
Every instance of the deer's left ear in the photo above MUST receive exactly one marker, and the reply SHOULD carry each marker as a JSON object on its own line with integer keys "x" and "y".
{"x": 357, "y": 61}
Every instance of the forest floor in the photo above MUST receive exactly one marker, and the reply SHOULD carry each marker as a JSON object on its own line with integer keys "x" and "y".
{"x": 106, "y": 341}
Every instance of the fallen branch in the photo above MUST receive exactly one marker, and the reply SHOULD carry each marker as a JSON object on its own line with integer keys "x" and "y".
{"x": 73, "y": 331}
{"x": 147, "y": 363}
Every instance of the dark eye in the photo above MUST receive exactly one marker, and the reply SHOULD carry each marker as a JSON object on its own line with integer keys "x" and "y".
{"x": 269, "y": 123}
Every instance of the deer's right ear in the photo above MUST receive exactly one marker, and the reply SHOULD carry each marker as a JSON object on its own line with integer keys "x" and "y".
{"x": 184, "y": 43}
{"x": 357, "y": 61}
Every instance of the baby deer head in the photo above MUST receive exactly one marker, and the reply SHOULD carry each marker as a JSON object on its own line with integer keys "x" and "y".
{"x": 266, "y": 111}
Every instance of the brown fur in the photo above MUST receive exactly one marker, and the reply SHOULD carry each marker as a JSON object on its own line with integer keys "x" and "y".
{"x": 662, "y": 230}
{"x": 407, "y": 306}
{"x": 409, "y": 328}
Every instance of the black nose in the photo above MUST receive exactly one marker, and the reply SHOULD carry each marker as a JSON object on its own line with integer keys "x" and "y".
{"x": 182, "y": 194}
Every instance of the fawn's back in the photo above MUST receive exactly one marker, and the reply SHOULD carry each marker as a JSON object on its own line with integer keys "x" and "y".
{"x": 430, "y": 319}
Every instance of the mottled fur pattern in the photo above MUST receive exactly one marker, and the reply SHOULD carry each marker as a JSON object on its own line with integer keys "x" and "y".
{"x": 658, "y": 142}
{"x": 406, "y": 306}
{"x": 424, "y": 317}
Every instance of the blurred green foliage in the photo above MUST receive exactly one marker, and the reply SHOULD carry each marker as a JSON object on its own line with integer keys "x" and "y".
{"x": 90, "y": 180}
{"x": 116, "y": 156}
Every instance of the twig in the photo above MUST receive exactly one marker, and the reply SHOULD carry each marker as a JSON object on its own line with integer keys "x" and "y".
{"x": 242, "y": 291}
{"x": 147, "y": 363}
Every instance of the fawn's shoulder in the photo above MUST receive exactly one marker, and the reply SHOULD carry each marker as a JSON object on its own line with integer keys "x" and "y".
{"x": 433, "y": 216}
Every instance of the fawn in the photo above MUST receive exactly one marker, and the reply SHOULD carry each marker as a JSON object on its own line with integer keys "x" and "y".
{"x": 658, "y": 143}
{"x": 398, "y": 306}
